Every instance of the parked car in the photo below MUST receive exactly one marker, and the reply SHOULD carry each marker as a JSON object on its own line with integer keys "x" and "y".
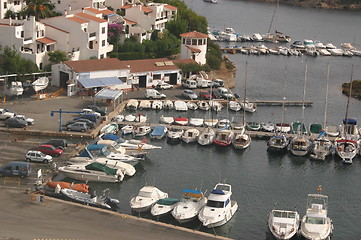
{"x": 189, "y": 83}
{"x": 102, "y": 111}
{"x": 15, "y": 122}
{"x": 189, "y": 94}
{"x": 78, "y": 127}
{"x": 37, "y": 156}
{"x": 29, "y": 121}
{"x": 58, "y": 143}
{"x": 89, "y": 116}
{"x": 16, "y": 169}
{"x": 50, "y": 150}
{"x": 89, "y": 111}
{"x": 89, "y": 123}
{"x": 6, "y": 113}
{"x": 152, "y": 93}
{"x": 217, "y": 83}
{"x": 206, "y": 95}
{"x": 162, "y": 86}
{"x": 224, "y": 93}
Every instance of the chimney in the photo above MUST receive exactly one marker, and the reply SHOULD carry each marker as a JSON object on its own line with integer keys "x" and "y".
{"x": 69, "y": 7}
{"x": 82, "y": 10}
{"x": 65, "y": 12}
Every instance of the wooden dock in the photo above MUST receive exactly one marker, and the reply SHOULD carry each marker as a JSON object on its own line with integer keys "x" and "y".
{"x": 280, "y": 103}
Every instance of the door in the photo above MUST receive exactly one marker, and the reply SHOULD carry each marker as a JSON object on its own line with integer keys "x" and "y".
{"x": 143, "y": 81}
{"x": 64, "y": 77}
{"x": 173, "y": 78}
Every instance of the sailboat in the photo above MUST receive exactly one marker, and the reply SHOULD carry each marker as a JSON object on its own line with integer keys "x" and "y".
{"x": 279, "y": 142}
{"x": 322, "y": 146}
{"x": 300, "y": 145}
{"x": 241, "y": 139}
{"x": 346, "y": 146}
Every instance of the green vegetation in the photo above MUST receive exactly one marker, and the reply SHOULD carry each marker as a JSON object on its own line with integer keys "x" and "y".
{"x": 40, "y": 8}
{"x": 355, "y": 91}
{"x": 11, "y": 62}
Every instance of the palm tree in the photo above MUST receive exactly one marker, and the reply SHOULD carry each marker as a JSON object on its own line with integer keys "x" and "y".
{"x": 40, "y": 8}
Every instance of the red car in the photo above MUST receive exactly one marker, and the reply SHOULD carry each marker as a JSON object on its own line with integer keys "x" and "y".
{"x": 50, "y": 150}
{"x": 204, "y": 95}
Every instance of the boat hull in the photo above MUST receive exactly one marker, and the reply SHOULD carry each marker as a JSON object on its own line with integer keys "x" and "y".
{"x": 219, "y": 222}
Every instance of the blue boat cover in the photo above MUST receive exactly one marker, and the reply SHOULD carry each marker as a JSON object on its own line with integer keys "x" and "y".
{"x": 158, "y": 131}
{"x": 350, "y": 121}
{"x": 191, "y": 191}
{"x": 217, "y": 191}
{"x": 110, "y": 137}
{"x": 91, "y": 148}
{"x": 321, "y": 134}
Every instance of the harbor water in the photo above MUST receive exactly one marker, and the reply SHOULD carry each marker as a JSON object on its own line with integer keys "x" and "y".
{"x": 260, "y": 180}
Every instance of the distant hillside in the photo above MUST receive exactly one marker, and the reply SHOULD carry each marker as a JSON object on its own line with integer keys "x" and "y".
{"x": 328, "y": 4}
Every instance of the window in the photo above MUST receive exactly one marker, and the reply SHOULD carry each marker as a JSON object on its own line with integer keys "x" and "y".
{"x": 22, "y": 34}
{"x": 103, "y": 30}
{"x": 194, "y": 41}
{"x": 59, "y": 2}
{"x": 85, "y": 29}
{"x": 103, "y": 43}
{"x": 184, "y": 41}
{"x": 102, "y": 56}
{"x": 188, "y": 41}
{"x": 5, "y": 5}
{"x": 200, "y": 42}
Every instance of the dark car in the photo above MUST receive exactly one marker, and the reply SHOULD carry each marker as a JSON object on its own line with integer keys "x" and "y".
{"x": 89, "y": 116}
{"x": 97, "y": 109}
{"x": 50, "y": 150}
{"x": 58, "y": 143}
{"x": 15, "y": 122}
{"x": 89, "y": 123}
{"x": 16, "y": 169}
{"x": 205, "y": 95}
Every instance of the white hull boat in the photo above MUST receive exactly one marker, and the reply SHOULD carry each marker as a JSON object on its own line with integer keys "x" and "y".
{"x": 283, "y": 224}
{"x": 316, "y": 224}
{"x": 129, "y": 118}
{"x": 127, "y": 129}
{"x": 321, "y": 148}
{"x": 299, "y": 146}
{"x": 210, "y": 122}
{"x": 40, "y": 84}
{"x": 190, "y": 135}
{"x": 157, "y": 105}
{"x": 197, "y": 122}
{"x": 141, "y": 118}
{"x": 224, "y": 124}
{"x": 192, "y": 105}
{"x": 168, "y": 105}
{"x": 206, "y": 137}
{"x": 118, "y": 118}
{"x": 142, "y": 131}
{"x": 277, "y": 143}
{"x": 346, "y": 149}
{"x": 332, "y": 131}
{"x": 132, "y": 104}
{"x": 234, "y": 106}
{"x": 182, "y": 121}
{"x": 249, "y": 106}
{"x": 145, "y": 104}
{"x": 190, "y": 205}
{"x": 180, "y": 106}
{"x": 268, "y": 126}
{"x": 163, "y": 207}
{"x": 203, "y": 105}
{"x": 132, "y": 144}
{"x": 215, "y": 106}
{"x": 241, "y": 141}
{"x": 111, "y": 128}
{"x": 219, "y": 208}
{"x": 175, "y": 133}
{"x": 166, "y": 120}
{"x": 283, "y": 127}
{"x": 146, "y": 198}
{"x": 223, "y": 137}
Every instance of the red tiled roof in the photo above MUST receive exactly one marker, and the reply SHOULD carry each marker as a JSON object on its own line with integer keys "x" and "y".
{"x": 149, "y": 65}
{"x": 170, "y": 7}
{"x": 107, "y": 12}
{"x": 93, "y": 10}
{"x": 78, "y": 20}
{"x": 146, "y": 10}
{"x": 129, "y": 21}
{"x": 55, "y": 28}
{"x": 46, "y": 40}
{"x": 93, "y": 65}
{"x": 90, "y": 17}
{"x": 194, "y": 49}
{"x": 184, "y": 61}
{"x": 126, "y": 6}
{"x": 193, "y": 34}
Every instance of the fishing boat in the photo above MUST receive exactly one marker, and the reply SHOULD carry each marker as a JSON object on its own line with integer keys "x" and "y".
{"x": 129, "y": 118}
{"x": 234, "y": 105}
{"x": 268, "y": 126}
{"x": 249, "y": 106}
{"x": 163, "y": 207}
{"x": 16, "y": 88}
{"x": 168, "y": 105}
{"x": 158, "y": 132}
{"x": 145, "y": 104}
{"x": 241, "y": 140}
{"x": 224, "y": 123}
{"x": 215, "y": 105}
{"x": 40, "y": 84}
{"x": 180, "y": 106}
{"x": 192, "y": 105}
{"x": 210, "y": 122}
{"x": 196, "y": 122}
{"x": 189, "y": 206}
{"x": 253, "y": 126}
{"x": 166, "y": 120}
{"x": 157, "y": 105}
{"x": 174, "y": 134}
{"x": 182, "y": 121}
{"x": 127, "y": 129}
{"x": 219, "y": 208}
{"x": 283, "y": 224}
{"x": 110, "y": 128}
{"x": 141, "y": 118}
{"x": 206, "y": 137}
{"x": 316, "y": 224}
{"x": 132, "y": 104}
{"x": 190, "y": 135}
{"x": 146, "y": 198}
{"x": 283, "y": 127}
{"x": 142, "y": 130}
{"x": 203, "y": 105}
{"x": 223, "y": 137}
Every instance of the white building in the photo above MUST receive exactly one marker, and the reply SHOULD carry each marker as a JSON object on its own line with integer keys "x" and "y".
{"x": 12, "y": 5}
{"x": 66, "y": 6}
{"x": 194, "y": 46}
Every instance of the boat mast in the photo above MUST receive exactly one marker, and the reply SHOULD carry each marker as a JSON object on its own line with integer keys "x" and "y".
{"x": 326, "y": 98}
{"x": 303, "y": 100}
{"x": 348, "y": 102}
{"x": 273, "y": 16}
{"x": 244, "y": 96}
{"x": 284, "y": 98}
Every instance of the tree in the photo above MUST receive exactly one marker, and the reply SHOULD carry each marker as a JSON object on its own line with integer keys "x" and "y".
{"x": 57, "y": 56}
{"x": 40, "y": 8}
{"x": 12, "y": 62}
{"x": 177, "y": 27}
{"x": 114, "y": 31}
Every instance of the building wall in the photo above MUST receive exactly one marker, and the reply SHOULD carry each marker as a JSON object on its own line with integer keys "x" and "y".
{"x": 15, "y": 6}
{"x": 186, "y": 53}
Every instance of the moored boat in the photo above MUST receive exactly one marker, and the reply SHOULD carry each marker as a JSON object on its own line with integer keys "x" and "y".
{"x": 283, "y": 224}
{"x": 206, "y": 137}
{"x": 163, "y": 206}
{"x": 158, "y": 132}
{"x": 190, "y": 135}
{"x": 190, "y": 205}
{"x": 223, "y": 137}
{"x": 146, "y": 198}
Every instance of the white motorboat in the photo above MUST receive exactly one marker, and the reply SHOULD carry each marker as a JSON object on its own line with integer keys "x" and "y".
{"x": 182, "y": 121}
{"x": 146, "y": 198}
{"x": 16, "y": 88}
{"x": 118, "y": 118}
{"x": 190, "y": 205}
{"x": 268, "y": 126}
{"x": 158, "y": 132}
{"x": 215, "y": 105}
{"x": 197, "y": 122}
{"x": 157, "y": 105}
{"x": 163, "y": 207}
{"x": 142, "y": 130}
{"x": 127, "y": 129}
{"x": 141, "y": 118}
{"x": 206, "y": 137}
{"x": 324, "y": 52}
{"x": 40, "y": 84}
{"x": 192, "y": 105}
{"x": 174, "y": 133}
{"x": 93, "y": 172}
{"x": 241, "y": 140}
{"x": 283, "y": 224}
{"x": 132, "y": 104}
{"x": 219, "y": 208}
{"x": 210, "y": 122}
{"x": 190, "y": 135}
{"x": 203, "y": 105}
{"x": 166, "y": 120}
{"x": 180, "y": 106}
{"x": 299, "y": 146}
{"x": 346, "y": 149}
{"x": 129, "y": 118}
{"x": 316, "y": 224}
{"x": 224, "y": 123}
{"x": 145, "y": 104}
{"x": 330, "y": 46}
{"x": 126, "y": 168}
{"x": 110, "y": 128}
{"x": 321, "y": 148}
{"x": 234, "y": 105}
{"x": 249, "y": 106}
{"x": 132, "y": 144}
{"x": 168, "y": 105}
{"x": 277, "y": 143}
{"x": 335, "y": 51}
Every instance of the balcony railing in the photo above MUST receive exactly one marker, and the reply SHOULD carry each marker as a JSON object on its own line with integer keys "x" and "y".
{"x": 94, "y": 34}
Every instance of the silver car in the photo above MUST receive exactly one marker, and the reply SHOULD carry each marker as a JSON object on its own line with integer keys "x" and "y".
{"x": 37, "y": 156}
{"x": 189, "y": 94}
{"x": 78, "y": 127}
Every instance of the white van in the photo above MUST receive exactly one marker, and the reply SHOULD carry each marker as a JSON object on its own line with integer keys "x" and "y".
{"x": 189, "y": 83}
{"x": 153, "y": 93}
{"x": 203, "y": 83}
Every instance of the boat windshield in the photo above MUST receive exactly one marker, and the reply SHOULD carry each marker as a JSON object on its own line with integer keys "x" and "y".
{"x": 282, "y": 214}
{"x": 145, "y": 194}
{"x": 315, "y": 220}
{"x": 105, "y": 151}
{"x": 215, "y": 204}
{"x": 120, "y": 140}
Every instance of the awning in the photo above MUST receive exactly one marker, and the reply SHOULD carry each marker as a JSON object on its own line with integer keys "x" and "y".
{"x": 99, "y": 82}
{"x": 108, "y": 94}
{"x": 47, "y": 41}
